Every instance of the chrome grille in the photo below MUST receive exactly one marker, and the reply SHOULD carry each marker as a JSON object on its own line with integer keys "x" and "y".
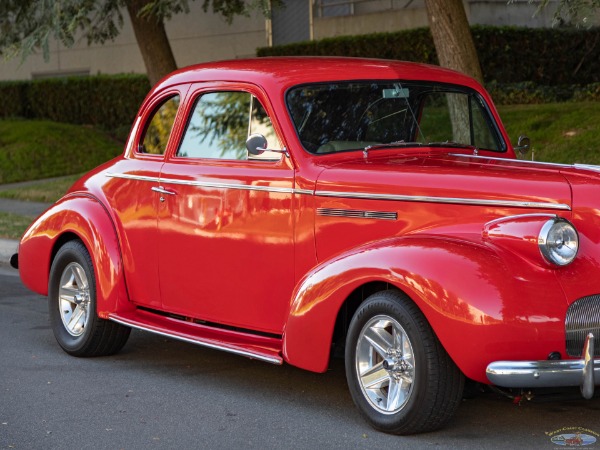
{"x": 583, "y": 317}
{"x": 357, "y": 214}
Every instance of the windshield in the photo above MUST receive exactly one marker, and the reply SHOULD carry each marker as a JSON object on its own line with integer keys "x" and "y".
{"x": 359, "y": 114}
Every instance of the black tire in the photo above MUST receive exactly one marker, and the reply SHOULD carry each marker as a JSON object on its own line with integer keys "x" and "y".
{"x": 416, "y": 387}
{"x": 76, "y": 325}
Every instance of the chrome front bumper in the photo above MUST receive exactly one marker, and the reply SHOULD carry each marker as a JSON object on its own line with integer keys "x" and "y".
{"x": 549, "y": 373}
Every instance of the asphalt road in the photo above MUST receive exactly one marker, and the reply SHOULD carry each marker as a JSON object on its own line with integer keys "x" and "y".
{"x": 160, "y": 393}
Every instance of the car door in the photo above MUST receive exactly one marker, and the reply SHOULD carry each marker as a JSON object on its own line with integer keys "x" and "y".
{"x": 226, "y": 220}
{"x": 131, "y": 192}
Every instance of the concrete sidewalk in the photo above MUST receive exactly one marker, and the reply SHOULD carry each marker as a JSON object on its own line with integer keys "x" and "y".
{"x": 32, "y": 209}
{"x": 7, "y": 248}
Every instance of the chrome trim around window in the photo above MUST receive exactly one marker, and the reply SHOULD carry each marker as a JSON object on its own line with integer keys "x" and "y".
{"x": 453, "y": 200}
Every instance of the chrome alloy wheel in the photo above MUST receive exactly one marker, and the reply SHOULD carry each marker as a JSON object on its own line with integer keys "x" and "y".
{"x": 74, "y": 299}
{"x": 385, "y": 364}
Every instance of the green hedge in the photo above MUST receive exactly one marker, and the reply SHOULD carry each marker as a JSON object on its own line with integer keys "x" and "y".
{"x": 527, "y": 93}
{"x": 544, "y": 56}
{"x": 520, "y": 65}
{"x": 107, "y": 101}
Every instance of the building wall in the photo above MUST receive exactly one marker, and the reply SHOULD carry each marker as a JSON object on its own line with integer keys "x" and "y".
{"x": 375, "y": 16}
{"x": 195, "y": 37}
{"x": 199, "y": 37}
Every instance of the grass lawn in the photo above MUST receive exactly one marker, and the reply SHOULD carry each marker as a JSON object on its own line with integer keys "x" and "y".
{"x": 37, "y": 149}
{"x": 559, "y": 132}
{"x": 12, "y": 226}
{"x": 44, "y": 191}
{"x": 30, "y": 150}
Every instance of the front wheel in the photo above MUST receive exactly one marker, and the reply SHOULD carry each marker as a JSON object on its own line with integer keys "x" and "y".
{"x": 72, "y": 306}
{"x": 400, "y": 377}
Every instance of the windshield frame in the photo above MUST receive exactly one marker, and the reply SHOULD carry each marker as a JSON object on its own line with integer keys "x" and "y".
{"x": 489, "y": 117}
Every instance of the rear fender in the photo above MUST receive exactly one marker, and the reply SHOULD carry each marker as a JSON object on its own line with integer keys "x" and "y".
{"x": 87, "y": 219}
{"x": 477, "y": 306}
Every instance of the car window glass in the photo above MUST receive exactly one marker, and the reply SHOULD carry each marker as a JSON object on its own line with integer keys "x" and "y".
{"x": 483, "y": 136}
{"x": 332, "y": 117}
{"x": 221, "y": 122}
{"x": 260, "y": 123}
{"x": 455, "y": 117}
{"x": 159, "y": 127}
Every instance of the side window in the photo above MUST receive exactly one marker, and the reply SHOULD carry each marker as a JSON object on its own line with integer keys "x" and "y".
{"x": 260, "y": 123}
{"x": 483, "y": 137}
{"x": 159, "y": 127}
{"x": 220, "y": 123}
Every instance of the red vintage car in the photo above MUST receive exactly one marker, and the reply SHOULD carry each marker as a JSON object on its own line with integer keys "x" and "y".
{"x": 288, "y": 209}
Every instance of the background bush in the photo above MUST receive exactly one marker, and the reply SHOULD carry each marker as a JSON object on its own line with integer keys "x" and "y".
{"x": 544, "y": 56}
{"x": 106, "y": 101}
{"x": 520, "y": 65}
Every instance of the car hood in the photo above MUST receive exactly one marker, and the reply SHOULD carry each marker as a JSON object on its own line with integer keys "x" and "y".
{"x": 450, "y": 178}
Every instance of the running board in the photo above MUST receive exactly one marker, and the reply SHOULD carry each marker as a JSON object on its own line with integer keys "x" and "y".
{"x": 253, "y": 346}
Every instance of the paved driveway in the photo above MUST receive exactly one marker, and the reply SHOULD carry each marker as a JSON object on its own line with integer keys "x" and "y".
{"x": 160, "y": 393}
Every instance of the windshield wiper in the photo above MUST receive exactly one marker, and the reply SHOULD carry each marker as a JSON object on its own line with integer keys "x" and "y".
{"x": 392, "y": 144}
{"x": 417, "y": 144}
{"x": 450, "y": 144}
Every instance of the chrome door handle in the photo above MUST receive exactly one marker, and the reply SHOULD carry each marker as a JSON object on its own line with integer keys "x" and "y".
{"x": 162, "y": 190}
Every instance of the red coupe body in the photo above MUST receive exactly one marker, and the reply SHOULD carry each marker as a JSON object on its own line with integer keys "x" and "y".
{"x": 269, "y": 254}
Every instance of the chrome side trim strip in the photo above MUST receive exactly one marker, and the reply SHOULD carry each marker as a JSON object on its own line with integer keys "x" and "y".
{"x": 245, "y": 353}
{"x": 242, "y": 187}
{"x": 460, "y": 201}
{"x": 524, "y": 161}
{"x": 304, "y": 192}
{"x": 127, "y": 176}
{"x": 357, "y": 214}
{"x": 587, "y": 167}
{"x": 209, "y": 184}
{"x": 519, "y": 216}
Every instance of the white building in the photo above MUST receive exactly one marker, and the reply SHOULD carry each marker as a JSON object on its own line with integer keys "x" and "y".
{"x": 198, "y": 36}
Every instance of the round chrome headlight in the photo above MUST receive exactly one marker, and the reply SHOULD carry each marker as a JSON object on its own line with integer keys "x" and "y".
{"x": 558, "y": 241}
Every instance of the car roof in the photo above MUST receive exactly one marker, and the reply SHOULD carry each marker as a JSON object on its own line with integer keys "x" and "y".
{"x": 284, "y": 72}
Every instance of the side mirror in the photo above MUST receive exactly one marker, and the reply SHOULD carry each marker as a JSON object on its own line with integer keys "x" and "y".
{"x": 256, "y": 144}
{"x": 523, "y": 144}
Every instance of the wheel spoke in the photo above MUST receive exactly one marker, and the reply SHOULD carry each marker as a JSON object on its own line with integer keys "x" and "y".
{"x": 76, "y": 317}
{"x": 74, "y": 298}
{"x": 374, "y": 377}
{"x": 69, "y": 288}
{"x": 395, "y": 395}
{"x": 67, "y": 298}
{"x": 379, "y": 339}
{"x": 385, "y": 364}
{"x": 80, "y": 278}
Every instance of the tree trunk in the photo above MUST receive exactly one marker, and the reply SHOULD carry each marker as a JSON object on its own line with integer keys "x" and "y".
{"x": 452, "y": 36}
{"x": 152, "y": 40}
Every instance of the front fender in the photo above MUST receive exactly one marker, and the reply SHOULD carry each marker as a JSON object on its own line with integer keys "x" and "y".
{"x": 482, "y": 306}
{"x": 85, "y": 217}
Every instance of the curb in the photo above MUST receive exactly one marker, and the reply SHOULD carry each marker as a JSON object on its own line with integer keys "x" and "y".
{"x": 7, "y": 248}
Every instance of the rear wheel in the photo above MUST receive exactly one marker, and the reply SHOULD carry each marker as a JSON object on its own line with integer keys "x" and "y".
{"x": 400, "y": 377}
{"x": 72, "y": 306}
